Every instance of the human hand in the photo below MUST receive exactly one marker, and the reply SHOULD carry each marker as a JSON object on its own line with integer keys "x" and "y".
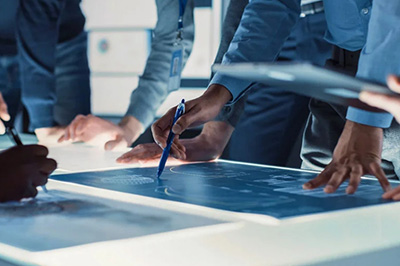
{"x": 388, "y": 103}
{"x": 23, "y": 168}
{"x": 3, "y": 114}
{"x": 197, "y": 112}
{"x": 357, "y": 153}
{"x": 207, "y": 146}
{"x": 99, "y": 131}
{"x": 49, "y": 135}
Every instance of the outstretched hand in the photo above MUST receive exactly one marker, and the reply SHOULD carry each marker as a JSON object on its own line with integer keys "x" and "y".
{"x": 207, "y": 146}
{"x": 357, "y": 153}
{"x": 101, "y": 132}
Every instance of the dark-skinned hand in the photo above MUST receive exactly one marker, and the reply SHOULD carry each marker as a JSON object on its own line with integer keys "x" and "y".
{"x": 357, "y": 153}
{"x": 22, "y": 169}
{"x": 197, "y": 112}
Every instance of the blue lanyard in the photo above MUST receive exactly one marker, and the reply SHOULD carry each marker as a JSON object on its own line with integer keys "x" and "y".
{"x": 182, "y": 7}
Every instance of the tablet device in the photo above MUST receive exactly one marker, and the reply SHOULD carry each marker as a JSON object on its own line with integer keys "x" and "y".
{"x": 306, "y": 79}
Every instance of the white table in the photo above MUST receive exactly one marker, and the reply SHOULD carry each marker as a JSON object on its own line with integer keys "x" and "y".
{"x": 362, "y": 236}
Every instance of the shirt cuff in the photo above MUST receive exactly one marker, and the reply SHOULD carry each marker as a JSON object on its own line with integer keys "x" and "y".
{"x": 235, "y": 86}
{"x": 374, "y": 119}
{"x": 140, "y": 110}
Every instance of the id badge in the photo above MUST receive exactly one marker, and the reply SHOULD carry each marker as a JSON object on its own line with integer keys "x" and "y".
{"x": 175, "y": 71}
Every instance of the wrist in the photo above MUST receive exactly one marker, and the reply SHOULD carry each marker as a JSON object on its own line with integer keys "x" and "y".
{"x": 358, "y": 137}
{"x": 219, "y": 93}
{"x": 131, "y": 127}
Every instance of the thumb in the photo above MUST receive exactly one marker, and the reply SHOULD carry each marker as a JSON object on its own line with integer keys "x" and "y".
{"x": 189, "y": 119}
{"x": 3, "y": 109}
{"x": 394, "y": 83}
{"x": 110, "y": 145}
{"x": 2, "y": 128}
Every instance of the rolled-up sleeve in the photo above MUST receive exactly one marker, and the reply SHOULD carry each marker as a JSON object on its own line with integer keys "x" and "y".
{"x": 264, "y": 27}
{"x": 379, "y": 57}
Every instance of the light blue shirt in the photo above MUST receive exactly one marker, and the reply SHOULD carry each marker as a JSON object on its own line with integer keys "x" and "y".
{"x": 352, "y": 25}
{"x": 153, "y": 84}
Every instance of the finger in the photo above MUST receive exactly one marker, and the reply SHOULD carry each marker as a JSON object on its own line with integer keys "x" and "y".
{"x": 30, "y": 192}
{"x": 62, "y": 138}
{"x": 396, "y": 197}
{"x": 110, "y": 145}
{"x": 355, "y": 178}
{"x": 82, "y": 125}
{"x": 40, "y": 180}
{"x": 160, "y": 129}
{"x": 141, "y": 152}
{"x": 3, "y": 109}
{"x": 79, "y": 121}
{"x": 394, "y": 83}
{"x": 178, "y": 150}
{"x": 377, "y": 171}
{"x": 382, "y": 101}
{"x": 33, "y": 150}
{"x": 2, "y": 128}
{"x": 336, "y": 180}
{"x": 70, "y": 128}
{"x": 391, "y": 193}
{"x": 320, "y": 180}
{"x": 193, "y": 116}
{"x": 47, "y": 166}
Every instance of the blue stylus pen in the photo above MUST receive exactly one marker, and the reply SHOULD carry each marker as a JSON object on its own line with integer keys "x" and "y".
{"x": 13, "y": 134}
{"x": 180, "y": 110}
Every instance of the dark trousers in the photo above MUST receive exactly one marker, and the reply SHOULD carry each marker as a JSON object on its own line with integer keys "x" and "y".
{"x": 326, "y": 122}
{"x": 273, "y": 118}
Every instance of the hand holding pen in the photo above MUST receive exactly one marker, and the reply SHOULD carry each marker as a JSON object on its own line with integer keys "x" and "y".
{"x": 14, "y": 137}
{"x": 23, "y": 168}
{"x": 180, "y": 110}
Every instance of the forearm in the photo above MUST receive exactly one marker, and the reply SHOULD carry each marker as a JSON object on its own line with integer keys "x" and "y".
{"x": 264, "y": 27}
{"x": 153, "y": 84}
{"x": 37, "y": 34}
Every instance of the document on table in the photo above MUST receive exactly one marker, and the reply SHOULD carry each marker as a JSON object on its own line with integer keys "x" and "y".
{"x": 75, "y": 157}
{"x": 272, "y": 191}
{"x": 63, "y": 219}
{"x": 81, "y": 157}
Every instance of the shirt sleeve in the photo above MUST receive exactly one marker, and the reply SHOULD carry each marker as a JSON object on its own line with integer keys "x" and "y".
{"x": 153, "y": 84}
{"x": 379, "y": 57}
{"x": 264, "y": 27}
{"x": 37, "y": 34}
{"x": 231, "y": 113}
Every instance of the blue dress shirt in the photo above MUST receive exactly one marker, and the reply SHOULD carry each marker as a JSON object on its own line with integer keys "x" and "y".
{"x": 352, "y": 25}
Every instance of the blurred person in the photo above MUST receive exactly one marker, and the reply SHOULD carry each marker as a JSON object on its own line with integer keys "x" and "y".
{"x": 43, "y": 63}
{"x": 153, "y": 86}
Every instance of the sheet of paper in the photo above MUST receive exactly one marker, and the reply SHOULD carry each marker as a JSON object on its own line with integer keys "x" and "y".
{"x": 75, "y": 157}
{"x": 82, "y": 157}
{"x": 234, "y": 187}
{"x": 64, "y": 219}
